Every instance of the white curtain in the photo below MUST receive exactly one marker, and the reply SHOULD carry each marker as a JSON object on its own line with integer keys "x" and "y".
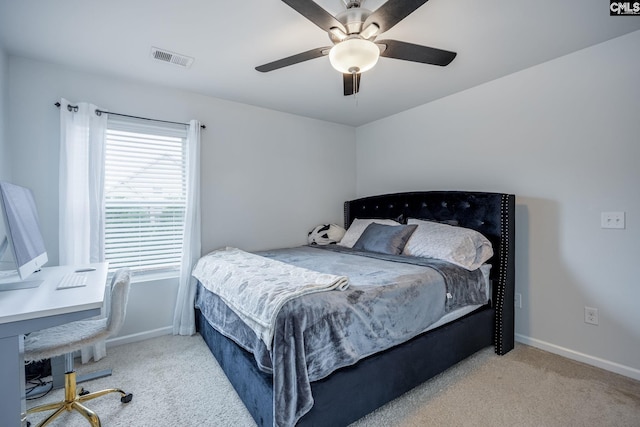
{"x": 82, "y": 134}
{"x": 183, "y": 318}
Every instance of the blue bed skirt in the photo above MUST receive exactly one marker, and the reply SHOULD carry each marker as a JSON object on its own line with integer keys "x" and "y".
{"x": 349, "y": 393}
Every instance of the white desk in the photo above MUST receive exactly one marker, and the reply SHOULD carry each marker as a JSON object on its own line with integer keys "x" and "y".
{"x": 27, "y": 310}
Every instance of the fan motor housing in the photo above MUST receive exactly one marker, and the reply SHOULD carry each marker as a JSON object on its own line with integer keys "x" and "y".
{"x": 352, "y": 19}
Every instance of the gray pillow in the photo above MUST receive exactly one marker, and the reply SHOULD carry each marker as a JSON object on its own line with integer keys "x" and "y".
{"x": 385, "y": 239}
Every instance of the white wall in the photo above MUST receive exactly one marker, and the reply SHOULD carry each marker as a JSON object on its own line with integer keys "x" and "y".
{"x": 5, "y": 155}
{"x": 5, "y": 164}
{"x": 562, "y": 136}
{"x": 267, "y": 177}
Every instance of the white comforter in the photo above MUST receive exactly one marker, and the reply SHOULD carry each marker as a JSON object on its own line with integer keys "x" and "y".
{"x": 256, "y": 288}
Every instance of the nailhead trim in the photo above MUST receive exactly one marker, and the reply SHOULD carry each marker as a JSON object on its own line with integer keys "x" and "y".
{"x": 502, "y": 277}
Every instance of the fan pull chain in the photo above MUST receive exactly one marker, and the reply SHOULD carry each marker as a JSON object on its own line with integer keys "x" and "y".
{"x": 354, "y": 81}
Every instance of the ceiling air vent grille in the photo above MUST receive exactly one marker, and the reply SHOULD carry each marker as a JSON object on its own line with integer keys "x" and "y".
{"x": 171, "y": 57}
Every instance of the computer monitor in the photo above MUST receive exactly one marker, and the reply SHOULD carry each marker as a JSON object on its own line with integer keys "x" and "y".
{"x": 22, "y": 237}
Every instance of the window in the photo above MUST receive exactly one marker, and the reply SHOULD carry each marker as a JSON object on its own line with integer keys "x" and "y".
{"x": 145, "y": 195}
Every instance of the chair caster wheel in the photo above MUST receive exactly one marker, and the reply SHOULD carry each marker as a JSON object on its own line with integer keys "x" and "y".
{"x": 126, "y": 398}
{"x": 83, "y": 392}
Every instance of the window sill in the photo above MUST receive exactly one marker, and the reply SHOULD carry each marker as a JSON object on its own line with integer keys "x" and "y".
{"x": 153, "y": 277}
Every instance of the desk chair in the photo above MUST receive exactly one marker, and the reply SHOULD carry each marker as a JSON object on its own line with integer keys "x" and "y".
{"x": 68, "y": 338}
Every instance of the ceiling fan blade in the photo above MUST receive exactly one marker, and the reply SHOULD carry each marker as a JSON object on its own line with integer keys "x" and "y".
{"x": 416, "y": 53}
{"x": 294, "y": 59}
{"x": 316, "y": 14}
{"x": 392, "y": 12}
{"x": 351, "y": 87}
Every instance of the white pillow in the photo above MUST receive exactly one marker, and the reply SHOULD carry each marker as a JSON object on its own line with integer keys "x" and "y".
{"x": 461, "y": 246}
{"x": 357, "y": 227}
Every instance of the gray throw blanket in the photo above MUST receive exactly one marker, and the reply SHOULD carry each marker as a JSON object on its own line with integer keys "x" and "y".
{"x": 257, "y": 287}
{"x": 390, "y": 300}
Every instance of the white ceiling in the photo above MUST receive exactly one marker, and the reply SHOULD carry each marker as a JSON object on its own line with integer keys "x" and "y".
{"x": 229, "y": 38}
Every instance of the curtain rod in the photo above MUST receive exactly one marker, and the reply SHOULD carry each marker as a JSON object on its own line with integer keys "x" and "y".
{"x": 99, "y": 112}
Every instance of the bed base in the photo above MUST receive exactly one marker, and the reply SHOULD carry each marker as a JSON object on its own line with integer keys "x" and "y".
{"x": 349, "y": 394}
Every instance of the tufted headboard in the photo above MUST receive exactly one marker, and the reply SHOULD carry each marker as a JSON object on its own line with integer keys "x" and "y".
{"x": 492, "y": 214}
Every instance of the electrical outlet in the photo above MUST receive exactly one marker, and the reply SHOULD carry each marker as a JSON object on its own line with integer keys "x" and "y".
{"x": 590, "y": 315}
{"x": 518, "y": 301}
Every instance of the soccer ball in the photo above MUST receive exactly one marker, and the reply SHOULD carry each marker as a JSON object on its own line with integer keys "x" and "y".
{"x": 325, "y": 234}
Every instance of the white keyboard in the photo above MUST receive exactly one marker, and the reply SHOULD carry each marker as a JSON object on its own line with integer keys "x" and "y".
{"x": 72, "y": 280}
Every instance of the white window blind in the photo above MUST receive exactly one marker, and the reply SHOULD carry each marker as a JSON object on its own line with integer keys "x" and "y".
{"x": 145, "y": 195}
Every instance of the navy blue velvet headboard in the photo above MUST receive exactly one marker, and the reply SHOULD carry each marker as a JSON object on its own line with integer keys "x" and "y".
{"x": 492, "y": 214}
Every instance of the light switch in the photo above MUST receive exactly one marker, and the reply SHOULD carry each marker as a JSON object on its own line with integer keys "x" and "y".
{"x": 612, "y": 220}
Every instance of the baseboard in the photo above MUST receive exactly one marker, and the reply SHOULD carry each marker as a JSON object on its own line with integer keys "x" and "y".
{"x": 608, "y": 365}
{"x": 141, "y": 336}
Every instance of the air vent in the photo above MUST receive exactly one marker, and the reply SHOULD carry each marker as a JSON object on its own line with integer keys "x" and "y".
{"x": 171, "y": 57}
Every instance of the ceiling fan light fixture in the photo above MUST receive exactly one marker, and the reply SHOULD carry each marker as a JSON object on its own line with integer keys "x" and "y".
{"x": 354, "y": 55}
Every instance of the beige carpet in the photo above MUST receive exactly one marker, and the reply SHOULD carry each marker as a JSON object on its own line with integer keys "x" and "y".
{"x": 176, "y": 382}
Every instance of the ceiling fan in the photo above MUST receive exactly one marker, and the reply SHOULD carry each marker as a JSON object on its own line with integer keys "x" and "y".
{"x": 353, "y": 33}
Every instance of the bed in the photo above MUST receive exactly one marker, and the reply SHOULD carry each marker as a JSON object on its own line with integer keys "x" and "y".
{"x": 366, "y": 383}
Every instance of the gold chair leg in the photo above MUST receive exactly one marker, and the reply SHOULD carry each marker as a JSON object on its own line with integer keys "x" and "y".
{"x": 51, "y": 417}
{"x": 91, "y": 416}
{"x": 46, "y": 407}
{"x": 95, "y": 394}
{"x": 72, "y": 402}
